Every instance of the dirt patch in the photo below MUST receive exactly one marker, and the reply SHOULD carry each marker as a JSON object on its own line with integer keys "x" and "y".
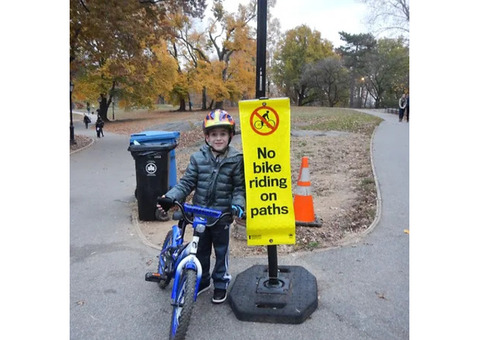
{"x": 341, "y": 178}
{"x": 80, "y": 143}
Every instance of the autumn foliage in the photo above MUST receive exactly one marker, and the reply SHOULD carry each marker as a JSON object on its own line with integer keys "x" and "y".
{"x": 137, "y": 53}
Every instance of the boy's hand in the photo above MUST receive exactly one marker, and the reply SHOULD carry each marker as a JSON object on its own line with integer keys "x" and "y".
{"x": 164, "y": 203}
{"x": 238, "y": 211}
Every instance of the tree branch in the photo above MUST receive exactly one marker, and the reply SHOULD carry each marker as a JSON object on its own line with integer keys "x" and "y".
{"x": 84, "y": 6}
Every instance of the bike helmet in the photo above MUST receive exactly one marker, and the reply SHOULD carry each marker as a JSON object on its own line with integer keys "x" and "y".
{"x": 218, "y": 118}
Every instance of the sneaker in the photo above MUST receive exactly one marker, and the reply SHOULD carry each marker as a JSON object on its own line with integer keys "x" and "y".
{"x": 219, "y": 295}
{"x": 203, "y": 288}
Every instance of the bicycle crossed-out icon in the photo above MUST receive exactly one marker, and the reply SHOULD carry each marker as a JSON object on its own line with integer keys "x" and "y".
{"x": 264, "y": 122}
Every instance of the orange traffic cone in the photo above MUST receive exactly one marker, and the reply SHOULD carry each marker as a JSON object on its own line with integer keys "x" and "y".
{"x": 303, "y": 200}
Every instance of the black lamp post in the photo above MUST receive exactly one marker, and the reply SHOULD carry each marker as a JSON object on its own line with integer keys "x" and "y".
{"x": 72, "y": 137}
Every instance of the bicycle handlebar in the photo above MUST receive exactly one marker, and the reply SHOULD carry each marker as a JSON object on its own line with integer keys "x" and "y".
{"x": 194, "y": 209}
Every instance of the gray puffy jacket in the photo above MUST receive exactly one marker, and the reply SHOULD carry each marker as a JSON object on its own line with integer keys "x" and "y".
{"x": 218, "y": 183}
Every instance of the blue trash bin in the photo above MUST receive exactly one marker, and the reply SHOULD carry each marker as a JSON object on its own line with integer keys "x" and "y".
{"x": 156, "y": 170}
{"x": 160, "y": 137}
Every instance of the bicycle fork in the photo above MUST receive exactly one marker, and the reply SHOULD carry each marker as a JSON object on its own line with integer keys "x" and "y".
{"x": 176, "y": 241}
{"x": 189, "y": 262}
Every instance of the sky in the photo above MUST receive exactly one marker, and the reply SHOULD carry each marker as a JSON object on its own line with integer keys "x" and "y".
{"x": 326, "y": 16}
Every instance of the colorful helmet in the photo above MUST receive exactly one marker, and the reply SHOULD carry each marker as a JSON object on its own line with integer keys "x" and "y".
{"x": 218, "y": 118}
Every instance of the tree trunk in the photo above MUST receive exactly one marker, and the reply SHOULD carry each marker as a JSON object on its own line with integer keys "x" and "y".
{"x": 103, "y": 109}
{"x": 182, "y": 107}
{"x": 204, "y": 98}
{"x": 352, "y": 88}
{"x": 300, "y": 98}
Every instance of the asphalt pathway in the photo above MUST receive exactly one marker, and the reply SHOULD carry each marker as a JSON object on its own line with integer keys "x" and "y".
{"x": 363, "y": 288}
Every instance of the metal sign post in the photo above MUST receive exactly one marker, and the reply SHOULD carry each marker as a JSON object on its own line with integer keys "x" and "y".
{"x": 260, "y": 93}
{"x": 261, "y": 48}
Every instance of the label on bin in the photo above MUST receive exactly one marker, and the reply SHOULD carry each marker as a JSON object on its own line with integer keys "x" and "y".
{"x": 151, "y": 168}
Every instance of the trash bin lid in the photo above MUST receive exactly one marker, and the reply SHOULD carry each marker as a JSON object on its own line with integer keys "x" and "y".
{"x": 154, "y": 137}
{"x": 142, "y": 150}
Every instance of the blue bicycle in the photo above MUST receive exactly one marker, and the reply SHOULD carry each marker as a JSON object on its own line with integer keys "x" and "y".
{"x": 179, "y": 261}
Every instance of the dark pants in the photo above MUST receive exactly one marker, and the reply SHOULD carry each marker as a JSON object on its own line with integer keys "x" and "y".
{"x": 99, "y": 131}
{"x": 400, "y": 113}
{"x": 219, "y": 237}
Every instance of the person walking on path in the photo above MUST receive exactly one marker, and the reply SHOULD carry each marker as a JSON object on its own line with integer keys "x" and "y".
{"x": 216, "y": 175}
{"x": 99, "y": 126}
{"x": 86, "y": 120}
{"x": 402, "y": 103}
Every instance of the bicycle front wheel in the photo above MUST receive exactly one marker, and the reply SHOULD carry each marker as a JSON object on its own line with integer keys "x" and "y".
{"x": 183, "y": 307}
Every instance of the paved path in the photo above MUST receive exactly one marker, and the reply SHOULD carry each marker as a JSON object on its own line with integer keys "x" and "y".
{"x": 363, "y": 288}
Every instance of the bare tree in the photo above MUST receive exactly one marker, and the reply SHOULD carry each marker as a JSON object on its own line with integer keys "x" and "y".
{"x": 389, "y": 16}
{"x": 327, "y": 80}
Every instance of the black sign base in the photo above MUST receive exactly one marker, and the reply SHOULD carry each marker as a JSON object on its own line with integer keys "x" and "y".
{"x": 291, "y": 298}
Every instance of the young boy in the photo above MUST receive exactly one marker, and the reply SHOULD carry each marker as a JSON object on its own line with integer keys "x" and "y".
{"x": 216, "y": 174}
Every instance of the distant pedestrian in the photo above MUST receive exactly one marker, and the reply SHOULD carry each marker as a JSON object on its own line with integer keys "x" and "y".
{"x": 402, "y": 103}
{"x": 86, "y": 120}
{"x": 88, "y": 107}
{"x": 407, "y": 107}
{"x": 99, "y": 126}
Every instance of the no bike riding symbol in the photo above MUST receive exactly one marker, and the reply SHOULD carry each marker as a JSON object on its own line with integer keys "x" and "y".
{"x": 264, "y": 120}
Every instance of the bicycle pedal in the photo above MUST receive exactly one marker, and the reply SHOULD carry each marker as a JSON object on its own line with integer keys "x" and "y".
{"x": 153, "y": 277}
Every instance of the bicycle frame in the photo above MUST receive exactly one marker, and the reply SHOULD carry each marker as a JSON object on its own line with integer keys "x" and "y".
{"x": 179, "y": 261}
{"x": 184, "y": 257}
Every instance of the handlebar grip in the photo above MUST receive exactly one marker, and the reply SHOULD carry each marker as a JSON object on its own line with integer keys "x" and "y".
{"x": 165, "y": 202}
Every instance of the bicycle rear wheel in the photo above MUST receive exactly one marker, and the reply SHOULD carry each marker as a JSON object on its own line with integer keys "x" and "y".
{"x": 183, "y": 307}
{"x": 166, "y": 262}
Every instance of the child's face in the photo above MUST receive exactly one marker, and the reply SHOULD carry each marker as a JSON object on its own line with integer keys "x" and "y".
{"x": 218, "y": 139}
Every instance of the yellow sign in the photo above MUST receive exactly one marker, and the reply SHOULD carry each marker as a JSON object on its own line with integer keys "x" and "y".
{"x": 266, "y": 148}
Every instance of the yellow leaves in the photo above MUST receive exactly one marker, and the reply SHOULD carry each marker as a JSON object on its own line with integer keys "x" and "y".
{"x": 242, "y": 76}
{"x": 176, "y": 20}
{"x": 125, "y": 49}
{"x": 122, "y": 103}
